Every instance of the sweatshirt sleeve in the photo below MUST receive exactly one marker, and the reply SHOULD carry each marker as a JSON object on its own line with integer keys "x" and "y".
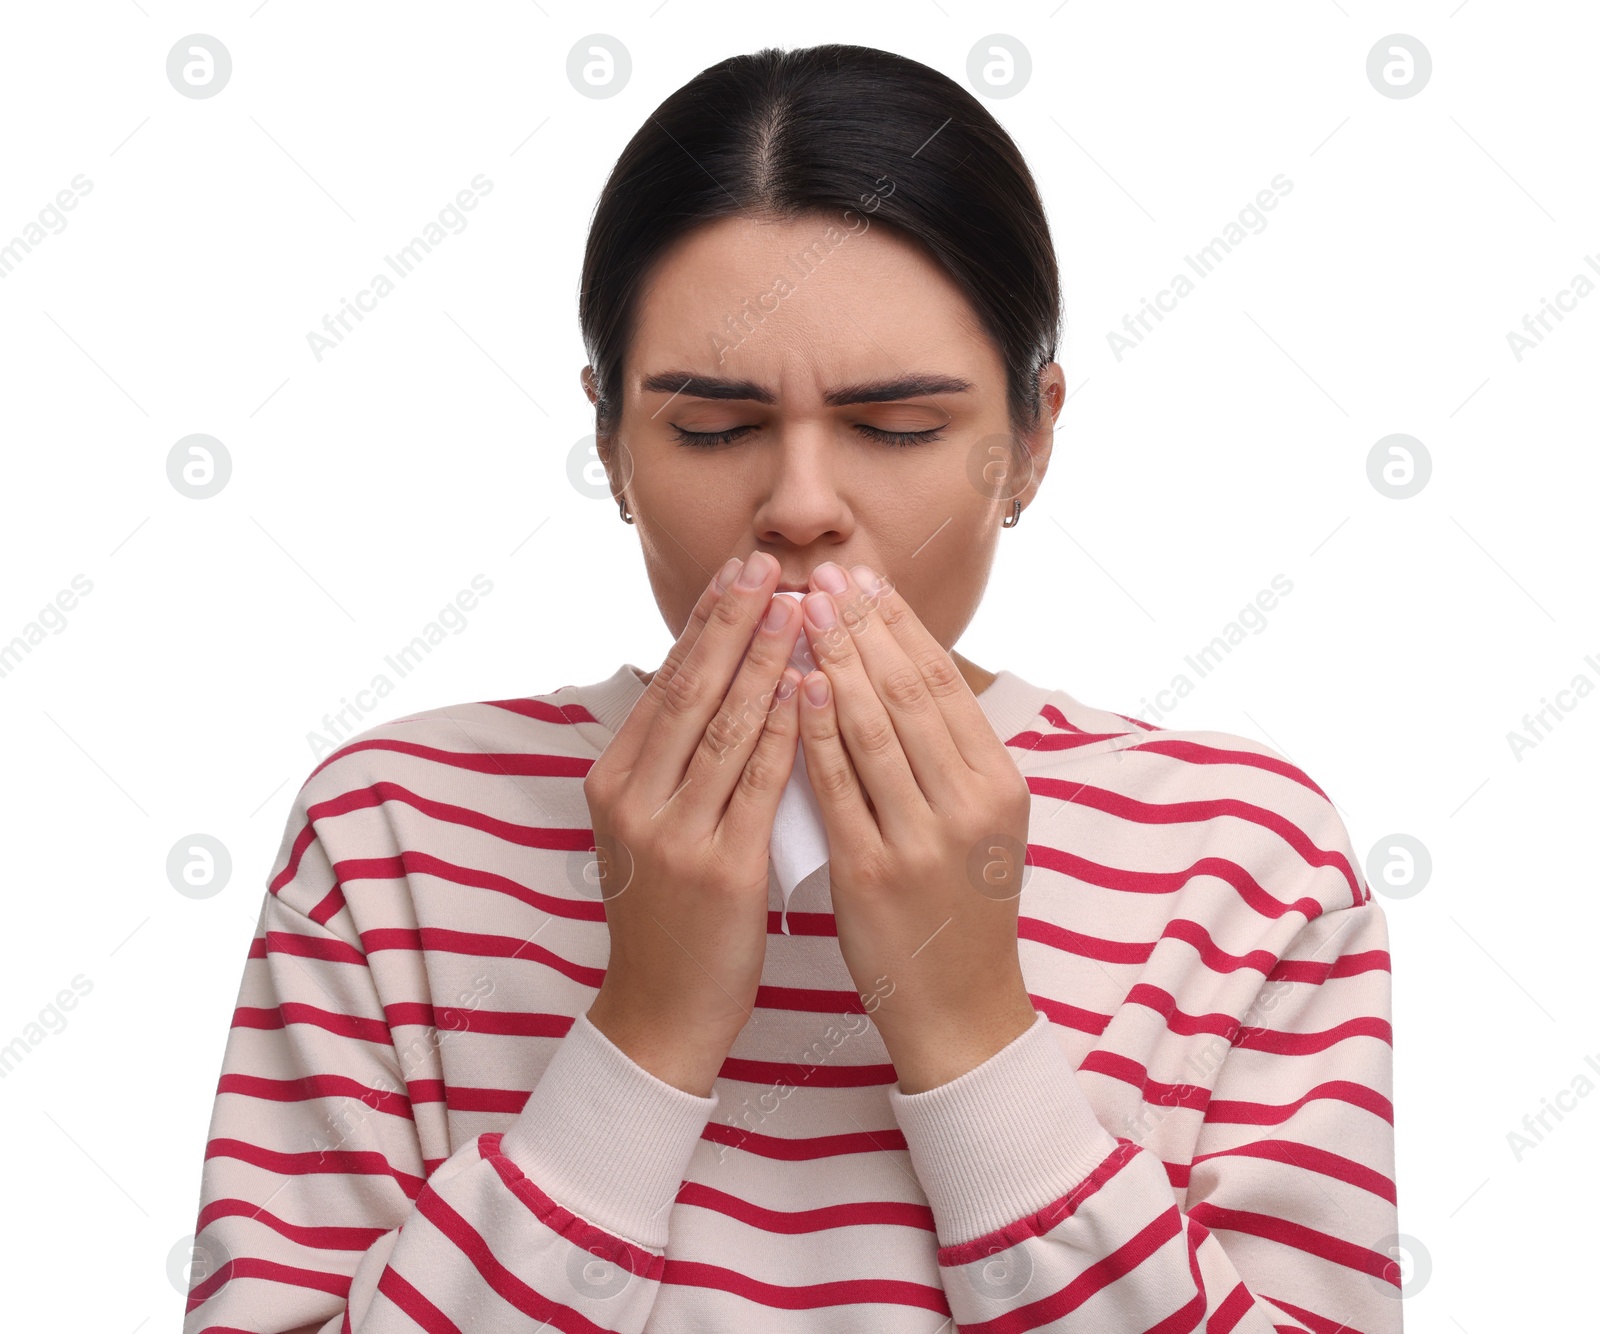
{"x": 559, "y": 1221}
{"x": 1047, "y": 1221}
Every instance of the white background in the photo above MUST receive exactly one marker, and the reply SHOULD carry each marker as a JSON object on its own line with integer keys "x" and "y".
{"x": 368, "y": 488}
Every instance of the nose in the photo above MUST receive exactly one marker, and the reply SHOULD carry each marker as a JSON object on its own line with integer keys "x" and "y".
{"x": 801, "y": 505}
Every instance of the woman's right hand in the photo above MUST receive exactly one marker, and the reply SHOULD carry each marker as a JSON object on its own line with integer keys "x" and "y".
{"x": 682, "y": 803}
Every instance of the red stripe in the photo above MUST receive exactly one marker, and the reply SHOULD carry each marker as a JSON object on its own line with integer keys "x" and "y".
{"x": 1195, "y": 752}
{"x": 316, "y": 1086}
{"x": 1197, "y": 811}
{"x": 1347, "y": 965}
{"x": 1312, "y": 1159}
{"x": 1104, "y": 1272}
{"x": 449, "y": 1020}
{"x": 1071, "y": 1016}
{"x": 637, "y": 1260}
{"x": 511, "y": 1289}
{"x": 1054, "y": 744}
{"x": 460, "y": 1098}
{"x": 328, "y": 907}
{"x": 422, "y": 1312}
{"x": 1045, "y": 1220}
{"x": 298, "y": 1012}
{"x": 415, "y": 863}
{"x": 1114, "y": 1065}
{"x": 1187, "y": 1317}
{"x": 806, "y": 1148}
{"x": 538, "y": 708}
{"x": 1128, "y": 881}
{"x": 476, "y": 945}
{"x": 808, "y": 1000}
{"x": 1217, "y": 959}
{"x": 1296, "y": 1235}
{"x": 1052, "y": 715}
{"x": 311, "y": 947}
{"x": 808, "y": 1296}
{"x": 1276, "y": 1041}
{"x": 804, "y": 1222}
{"x": 1316, "y": 1324}
{"x": 380, "y": 791}
{"x": 323, "y": 1238}
{"x": 302, "y": 840}
{"x": 327, "y": 1162}
{"x": 516, "y": 764}
{"x": 1179, "y": 1022}
{"x": 1082, "y": 946}
{"x": 1235, "y": 1306}
{"x": 1268, "y": 1114}
{"x": 1280, "y": 1043}
{"x": 1213, "y": 956}
{"x": 799, "y": 1074}
{"x": 271, "y": 1272}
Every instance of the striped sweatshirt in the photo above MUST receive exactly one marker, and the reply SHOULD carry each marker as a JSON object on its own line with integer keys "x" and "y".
{"x": 418, "y": 1128}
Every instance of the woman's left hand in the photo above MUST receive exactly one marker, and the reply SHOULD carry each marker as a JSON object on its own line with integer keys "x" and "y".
{"x": 927, "y": 822}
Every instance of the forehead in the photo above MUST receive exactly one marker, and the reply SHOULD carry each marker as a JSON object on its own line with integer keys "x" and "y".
{"x": 804, "y": 303}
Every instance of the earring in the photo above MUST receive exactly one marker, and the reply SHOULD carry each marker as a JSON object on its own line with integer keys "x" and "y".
{"x": 622, "y": 509}
{"x": 1016, "y": 515}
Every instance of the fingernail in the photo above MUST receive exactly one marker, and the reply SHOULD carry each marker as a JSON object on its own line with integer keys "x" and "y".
{"x": 777, "y": 614}
{"x": 866, "y": 580}
{"x": 831, "y": 577}
{"x": 817, "y": 689}
{"x": 727, "y": 572}
{"x": 755, "y": 570}
{"x": 820, "y": 608}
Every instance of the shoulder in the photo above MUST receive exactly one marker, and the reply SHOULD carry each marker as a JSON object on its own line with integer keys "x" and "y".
{"x": 494, "y": 735}
{"x": 1236, "y": 807}
{"x": 460, "y": 784}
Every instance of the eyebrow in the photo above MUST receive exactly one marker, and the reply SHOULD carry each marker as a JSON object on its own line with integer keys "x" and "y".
{"x": 925, "y": 385}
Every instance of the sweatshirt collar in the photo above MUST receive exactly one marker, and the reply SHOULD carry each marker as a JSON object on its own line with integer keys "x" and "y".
{"x": 1010, "y": 703}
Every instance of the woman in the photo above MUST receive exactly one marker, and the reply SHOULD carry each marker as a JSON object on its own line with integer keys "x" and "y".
{"x": 1083, "y": 1025}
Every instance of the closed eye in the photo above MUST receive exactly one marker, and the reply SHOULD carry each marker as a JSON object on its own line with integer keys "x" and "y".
{"x": 711, "y": 439}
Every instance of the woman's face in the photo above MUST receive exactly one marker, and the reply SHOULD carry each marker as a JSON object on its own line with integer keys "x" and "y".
{"x": 813, "y": 347}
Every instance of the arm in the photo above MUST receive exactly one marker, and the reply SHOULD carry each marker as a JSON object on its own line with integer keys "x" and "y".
{"x": 560, "y": 1219}
{"x": 1047, "y": 1221}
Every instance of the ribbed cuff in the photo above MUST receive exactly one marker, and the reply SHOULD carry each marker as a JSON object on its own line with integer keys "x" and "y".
{"x": 1003, "y": 1140}
{"x": 604, "y": 1137}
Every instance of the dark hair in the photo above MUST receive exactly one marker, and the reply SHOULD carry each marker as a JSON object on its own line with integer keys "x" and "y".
{"x": 829, "y": 128}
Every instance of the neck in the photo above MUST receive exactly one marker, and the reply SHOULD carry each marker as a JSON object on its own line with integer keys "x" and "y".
{"x": 977, "y": 678}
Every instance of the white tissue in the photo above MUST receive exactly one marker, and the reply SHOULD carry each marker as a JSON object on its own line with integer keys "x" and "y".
{"x": 799, "y": 841}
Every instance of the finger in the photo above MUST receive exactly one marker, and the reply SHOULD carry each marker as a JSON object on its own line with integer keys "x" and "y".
{"x": 754, "y": 804}
{"x": 735, "y": 730}
{"x": 966, "y": 724}
{"x": 900, "y": 680}
{"x": 623, "y": 752}
{"x": 833, "y": 776}
{"x": 864, "y": 723}
{"x": 687, "y": 699}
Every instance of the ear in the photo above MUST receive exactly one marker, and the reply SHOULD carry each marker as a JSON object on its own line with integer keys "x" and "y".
{"x": 591, "y": 389}
{"x": 619, "y": 469}
{"x": 1040, "y": 440}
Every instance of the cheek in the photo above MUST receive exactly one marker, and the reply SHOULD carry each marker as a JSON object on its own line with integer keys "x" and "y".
{"x": 672, "y": 581}
{"x": 945, "y": 594}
